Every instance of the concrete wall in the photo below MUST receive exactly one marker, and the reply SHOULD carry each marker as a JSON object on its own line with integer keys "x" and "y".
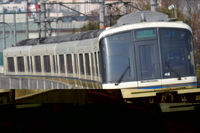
{"x": 53, "y": 96}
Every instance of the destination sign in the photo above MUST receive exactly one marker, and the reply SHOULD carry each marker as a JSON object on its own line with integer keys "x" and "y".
{"x": 120, "y": 37}
{"x": 145, "y": 34}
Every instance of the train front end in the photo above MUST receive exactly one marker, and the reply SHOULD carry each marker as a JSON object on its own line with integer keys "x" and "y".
{"x": 148, "y": 58}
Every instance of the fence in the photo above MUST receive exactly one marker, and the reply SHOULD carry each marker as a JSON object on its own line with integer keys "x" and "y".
{"x": 27, "y": 83}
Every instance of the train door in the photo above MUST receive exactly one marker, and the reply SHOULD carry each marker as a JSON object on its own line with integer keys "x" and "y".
{"x": 148, "y": 66}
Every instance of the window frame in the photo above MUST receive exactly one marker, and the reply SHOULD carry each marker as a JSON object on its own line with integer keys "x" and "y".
{"x": 10, "y": 62}
{"x": 20, "y": 64}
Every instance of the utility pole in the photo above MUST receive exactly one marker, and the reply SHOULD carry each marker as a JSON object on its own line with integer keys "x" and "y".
{"x": 173, "y": 11}
{"x": 49, "y": 22}
{"x": 4, "y": 36}
{"x": 154, "y": 5}
{"x": 4, "y": 31}
{"x": 102, "y": 15}
{"x": 110, "y": 8}
{"x": 42, "y": 21}
{"x": 15, "y": 36}
{"x": 27, "y": 26}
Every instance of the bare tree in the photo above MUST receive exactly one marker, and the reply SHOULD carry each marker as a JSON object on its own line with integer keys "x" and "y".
{"x": 178, "y": 8}
{"x": 192, "y": 14}
{"x": 193, "y": 19}
{"x": 142, "y": 4}
{"x": 115, "y": 10}
{"x": 187, "y": 11}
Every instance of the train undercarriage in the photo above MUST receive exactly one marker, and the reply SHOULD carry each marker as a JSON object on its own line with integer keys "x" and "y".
{"x": 95, "y": 96}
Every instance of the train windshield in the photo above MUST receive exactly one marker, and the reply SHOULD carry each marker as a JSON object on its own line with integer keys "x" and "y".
{"x": 147, "y": 57}
{"x": 177, "y": 55}
{"x": 116, "y": 50}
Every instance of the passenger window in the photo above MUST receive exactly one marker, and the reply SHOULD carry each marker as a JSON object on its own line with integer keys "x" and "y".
{"x": 10, "y": 61}
{"x": 47, "y": 66}
{"x": 55, "y": 64}
{"x": 95, "y": 54}
{"x": 87, "y": 64}
{"x": 92, "y": 63}
{"x": 69, "y": 63}
{"x": 62, "y": 66}
{"x": 81, "y": 63}
{"x": 37, "y": 64}
{"x": 75, "y": 63}
{"x": 31, "y": 64}
{"x": 28, "y": 63}
{"x": 20, "y": 64}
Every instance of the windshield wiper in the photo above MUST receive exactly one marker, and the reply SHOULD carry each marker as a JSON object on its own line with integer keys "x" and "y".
{"x": 121, "y": 77}
{"x": 176, "y": 74}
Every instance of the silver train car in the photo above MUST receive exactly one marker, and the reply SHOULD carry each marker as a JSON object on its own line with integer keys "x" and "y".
{"x": 143, "y": 60}
{"x": 146, "y": 55}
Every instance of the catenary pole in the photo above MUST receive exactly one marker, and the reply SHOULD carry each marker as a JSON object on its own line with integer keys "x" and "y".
{"x": 154, "y": 5}
{"x": 43, "y": 16}
{"x": 102, "y": 15}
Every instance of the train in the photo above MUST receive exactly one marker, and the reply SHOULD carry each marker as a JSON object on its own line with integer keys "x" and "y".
{"x": 138, "y": 57}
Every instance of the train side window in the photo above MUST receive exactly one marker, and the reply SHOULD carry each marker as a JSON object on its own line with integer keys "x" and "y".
{"x": 10, "y": 61}
{"x": 62, "y": 65}
{"x": 20, "y": 64}
{"x": 99, "y": 63}
{"x": 69, "y": 63}
{"x": 92, "y": 64}
{"x": 31, "y": 64}
{"x": 55, "y": 64}
{"x": 75, "y": 63}
{"x": 81, "y": 63}
{"x": 28, "y": 63}
{"x": 47, "y": 67}
{"x": 37, "y": 64}
{"x": 95, "y": 54}
{"x": 87, "y": 64}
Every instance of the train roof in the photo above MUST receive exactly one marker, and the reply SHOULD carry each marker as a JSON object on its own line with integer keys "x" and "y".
{"x": 135, "y": 17}
{"x": 124, "y": 28}
{"x": 63, "y": 38}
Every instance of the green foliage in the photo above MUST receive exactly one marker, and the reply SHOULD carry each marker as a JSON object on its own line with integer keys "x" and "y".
{"x": 90, "y": 26}
{"x": 74, "y": 31}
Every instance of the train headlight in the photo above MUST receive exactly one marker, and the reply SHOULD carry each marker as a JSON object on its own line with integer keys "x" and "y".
{"x": 167, "y": 74}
